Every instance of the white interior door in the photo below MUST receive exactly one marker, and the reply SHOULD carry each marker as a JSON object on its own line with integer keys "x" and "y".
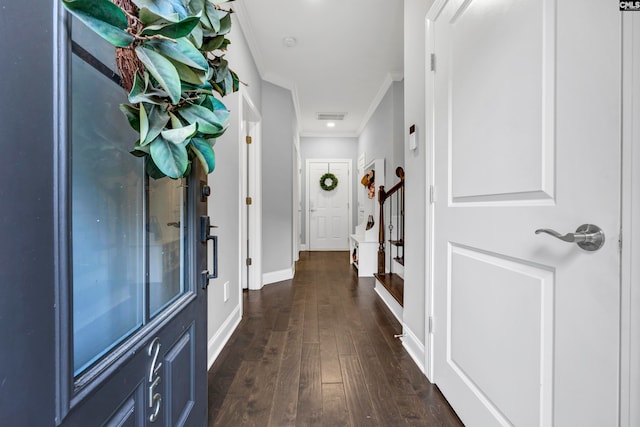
{"x": 527, "y": 136}
{"x": 329, "y": 212}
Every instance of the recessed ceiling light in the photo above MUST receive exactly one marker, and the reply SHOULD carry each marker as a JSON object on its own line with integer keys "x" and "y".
{"x": 331, "y": 124}
{"x": 289, "y": 41}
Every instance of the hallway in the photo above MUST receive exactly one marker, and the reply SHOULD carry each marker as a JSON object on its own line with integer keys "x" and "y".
{"x": 320, "y": 350}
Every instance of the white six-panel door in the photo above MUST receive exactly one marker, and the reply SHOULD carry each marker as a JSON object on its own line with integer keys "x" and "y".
{"x": 526, "y": 136}
{"x": 329, "y": 211}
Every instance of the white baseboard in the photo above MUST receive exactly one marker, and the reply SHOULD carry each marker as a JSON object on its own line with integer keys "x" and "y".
{"x": 303, "y": 247}
{"x": 414, "y": 347}
{"x": 278, "y": 276}
{"x": 220, "y": 338}
{"x": 390, "y": 301}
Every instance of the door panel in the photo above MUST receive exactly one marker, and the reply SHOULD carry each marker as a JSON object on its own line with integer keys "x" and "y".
{"x": 329, "y": 210}
{"x": 527, "y": 136}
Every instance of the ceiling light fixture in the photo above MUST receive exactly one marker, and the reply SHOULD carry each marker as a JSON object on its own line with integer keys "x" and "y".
{"x": 289, "y": 41}
{"x": 331, "y": 124}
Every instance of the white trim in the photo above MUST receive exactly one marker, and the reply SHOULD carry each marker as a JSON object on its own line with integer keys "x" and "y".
{"x": 278, "y": 276}
{"x": 247, "y": 30}
{"x": 630, "y": 270}
{"x": 414, "y": 347}
{"x": 250, "y": 116}
{"x": 384, "y": 87}
{"x": 429, "y": 181}
{"x": 303, "y": 247}
{"x": 307, "y": 225}
{"x": 390, "y": 302}
{"x": 221, "y": 337}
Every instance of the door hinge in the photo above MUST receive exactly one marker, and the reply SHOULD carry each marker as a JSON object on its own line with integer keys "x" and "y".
{"x": 433, "y": 196}
{"x": 432, "y": 61}
{"x": 248, "y": 262}
{"x": 249, "y": 200}
{"x": 248, "y": 139}
{"x": 430, "y": 324}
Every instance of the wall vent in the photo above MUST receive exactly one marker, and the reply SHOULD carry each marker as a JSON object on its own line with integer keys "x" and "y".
{"x": 330, "y": 116}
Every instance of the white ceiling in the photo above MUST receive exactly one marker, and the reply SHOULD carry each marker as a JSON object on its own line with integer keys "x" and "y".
{"x": 347, "y": 54}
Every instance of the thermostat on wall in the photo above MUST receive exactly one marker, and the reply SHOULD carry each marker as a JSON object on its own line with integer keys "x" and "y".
{"x": 413, "y": 143}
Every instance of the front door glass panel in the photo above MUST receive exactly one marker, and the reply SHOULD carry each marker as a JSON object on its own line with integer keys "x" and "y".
{"x": 128, "y": 233}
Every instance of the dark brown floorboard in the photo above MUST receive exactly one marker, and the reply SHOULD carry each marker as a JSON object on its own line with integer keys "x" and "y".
{"x": 319, "y": 350}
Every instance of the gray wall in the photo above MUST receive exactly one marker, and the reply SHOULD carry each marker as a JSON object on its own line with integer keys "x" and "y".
{"x": 382, "y": 137}
{"x": 278, "y": 133}
{"x": 329, "y": 148}
{"x": 224, "y": 204}
{"x": 415, "y": 163}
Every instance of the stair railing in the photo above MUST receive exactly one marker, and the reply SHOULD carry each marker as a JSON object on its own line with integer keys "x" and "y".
{"x": 396, "y": 222}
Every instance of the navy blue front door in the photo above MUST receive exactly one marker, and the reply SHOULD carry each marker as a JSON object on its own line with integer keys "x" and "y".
{"x": 102, "y": 305}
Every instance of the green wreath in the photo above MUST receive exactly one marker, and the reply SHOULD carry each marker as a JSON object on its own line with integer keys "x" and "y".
{"x": 331, "y": 179}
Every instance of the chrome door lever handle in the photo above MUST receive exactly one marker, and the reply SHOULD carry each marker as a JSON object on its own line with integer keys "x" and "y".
{"x": 588, "y": 236}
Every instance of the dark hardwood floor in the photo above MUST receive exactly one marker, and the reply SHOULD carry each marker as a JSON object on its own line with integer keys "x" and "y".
{"x": 320, "y": 350}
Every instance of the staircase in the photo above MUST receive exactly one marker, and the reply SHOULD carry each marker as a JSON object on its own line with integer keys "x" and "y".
{"x": 391, "y": 245}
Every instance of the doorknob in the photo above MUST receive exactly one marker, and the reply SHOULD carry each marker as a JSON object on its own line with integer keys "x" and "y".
{"x": 588, "y": 236}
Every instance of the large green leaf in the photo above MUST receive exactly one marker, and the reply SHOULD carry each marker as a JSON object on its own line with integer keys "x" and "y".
{"x": 162, "y": 70}
{"x": 149, "y": 17}
{"x": 196, "y": 36}
{"x": 189, "y": 75}
{"x": 104, "y": 18}
{"x": 132, "y": 114}
{"x": 208, "y": 122}
{"x": 171, "y": 159}
{"x": 210, "y": 44}
{"x": 180, "y": 134}
{"x": 163, "y": 7}
{"x": 214, "y": 18}
{"x": 204, "y": 152}
{"x": 173, "y": 30}
{"x": 158, "y": 119}
{"x": 225, "y": 23}
{"x": 220, "y": 109}
{"x": 144, "y": 124}
{"x": 182, "y": 50}
{"x": 152, "y": 169}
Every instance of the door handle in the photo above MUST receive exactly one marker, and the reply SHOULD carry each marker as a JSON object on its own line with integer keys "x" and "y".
{"x": 588, "y": 236}
{"x": 205, "y": 226}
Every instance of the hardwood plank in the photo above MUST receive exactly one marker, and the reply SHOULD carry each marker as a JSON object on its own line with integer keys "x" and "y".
{"x": 329, "y": 362}
{"x": 235, "y": 402}
{"x": 260, "y": 400}
{"x": 334, "y": 406}
{"x": 361, "y": 411}
{"x": 285, "y": 399}
{"x": 310, "y": 387}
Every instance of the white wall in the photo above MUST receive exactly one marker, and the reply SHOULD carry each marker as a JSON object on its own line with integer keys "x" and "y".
{"x": 415, "y": 170}
{"x": 329, "y": 148}
{"x": 279, "y": 129}
{"x": 382, "y": 136}
{"x": 224, "y": 203}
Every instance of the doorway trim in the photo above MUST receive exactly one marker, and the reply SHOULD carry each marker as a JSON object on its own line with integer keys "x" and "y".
{"x": 306, "y": 199}
{"x": 251, "y": 182}
{"x": 630, "y": 270}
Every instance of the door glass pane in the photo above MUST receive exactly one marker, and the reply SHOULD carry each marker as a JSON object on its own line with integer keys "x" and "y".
{"x": 107, "y": 218}
{"x": 166, "y": 242}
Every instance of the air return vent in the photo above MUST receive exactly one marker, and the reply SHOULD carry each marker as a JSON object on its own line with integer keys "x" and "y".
{"x": 330, "y": 116}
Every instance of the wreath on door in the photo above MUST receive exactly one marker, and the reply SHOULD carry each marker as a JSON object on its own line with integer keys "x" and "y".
{"x": 328, "y": 181}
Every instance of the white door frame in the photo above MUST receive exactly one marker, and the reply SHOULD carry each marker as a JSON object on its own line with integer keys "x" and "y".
{"x": 429, "y": 200}
{"x": 630, "y": 290}
{"x": 306, "y": 210}
{"x": 250, "y": 124}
